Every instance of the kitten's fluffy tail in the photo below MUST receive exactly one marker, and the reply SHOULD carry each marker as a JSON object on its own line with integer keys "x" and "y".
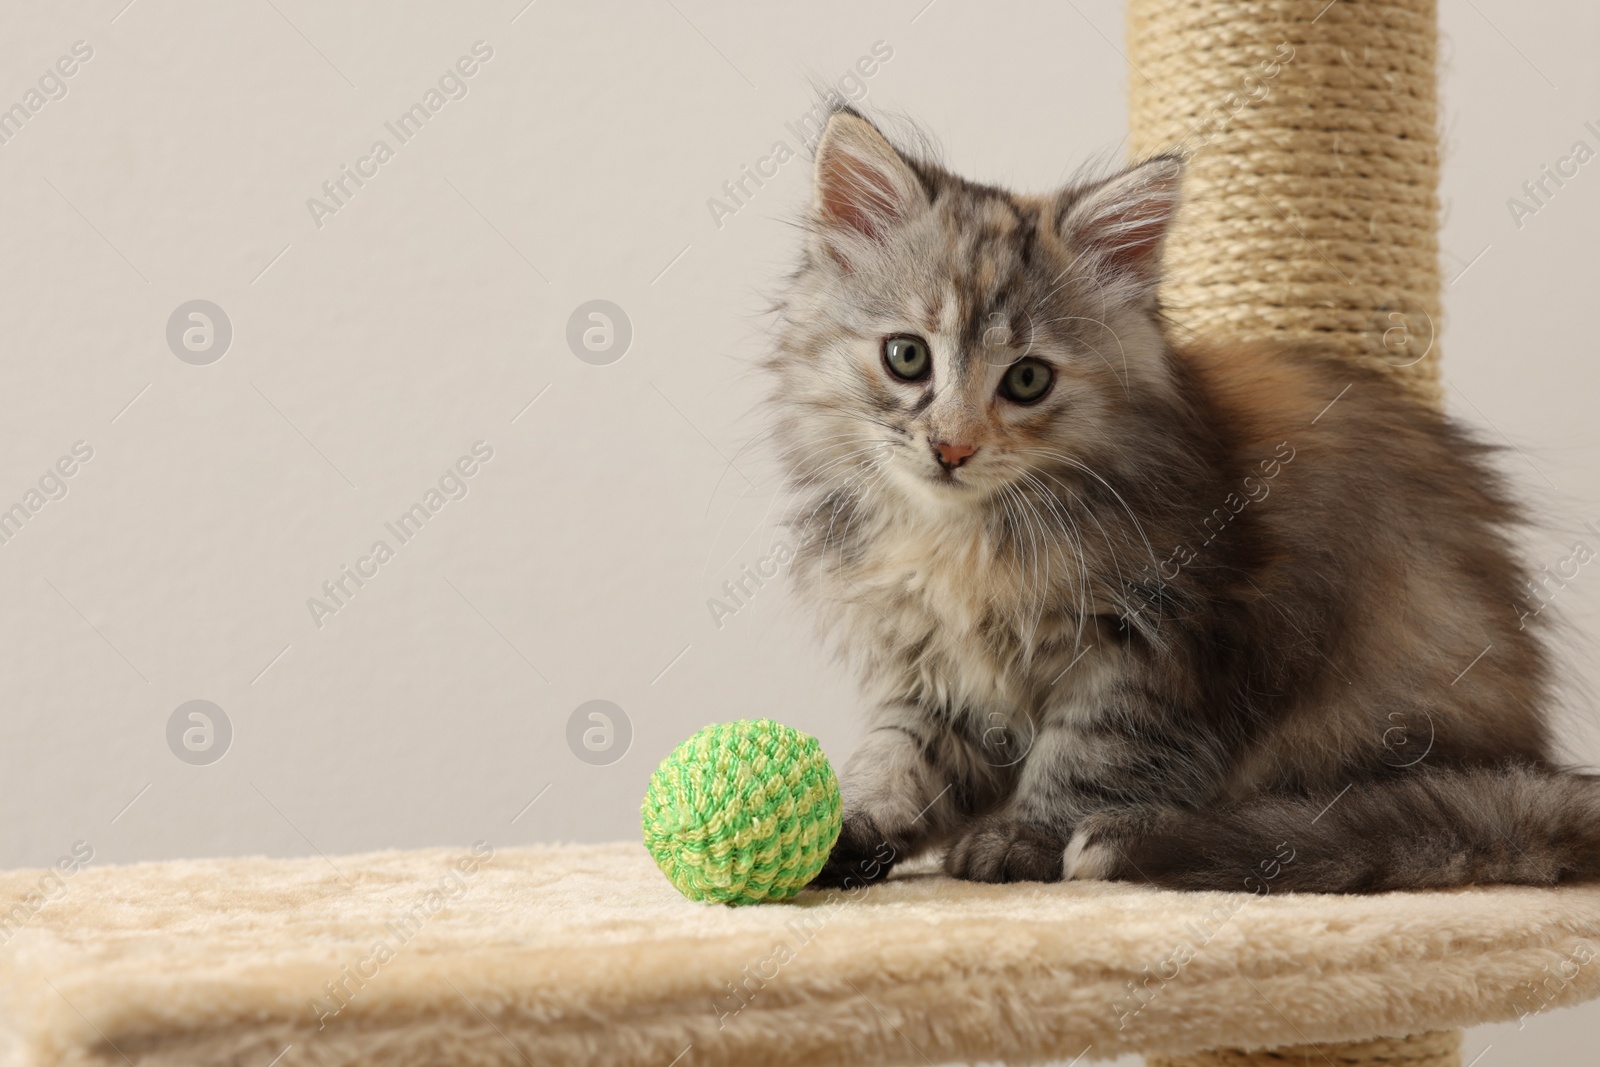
{"x": 1421, "y": 830}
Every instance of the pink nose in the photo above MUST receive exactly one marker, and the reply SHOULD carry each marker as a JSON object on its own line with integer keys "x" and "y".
{"x": 950, "y": 455}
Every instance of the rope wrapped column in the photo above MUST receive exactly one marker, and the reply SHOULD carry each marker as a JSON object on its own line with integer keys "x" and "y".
{"x": 1312, "y": 193}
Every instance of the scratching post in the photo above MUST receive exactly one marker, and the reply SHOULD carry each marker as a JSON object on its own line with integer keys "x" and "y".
{"x": 1310, "y": 217}
{"x": 1312, "y": 193}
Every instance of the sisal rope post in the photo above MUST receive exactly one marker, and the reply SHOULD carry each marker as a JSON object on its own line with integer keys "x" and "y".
{"x": 1436, "y": 1049}
{"x": 1310, "y": 217}
{"x": 1311, "y": 211}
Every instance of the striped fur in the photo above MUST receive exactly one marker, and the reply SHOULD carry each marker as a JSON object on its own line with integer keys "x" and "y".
{"x": 1192, "y": 614}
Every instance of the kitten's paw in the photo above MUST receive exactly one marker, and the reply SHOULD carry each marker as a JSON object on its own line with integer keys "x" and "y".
{"x": 1092, "y": 853}
{"x": 861, "y": 856}
{"x": 1001, "y": 849}
{"x": 1097, "y": 851}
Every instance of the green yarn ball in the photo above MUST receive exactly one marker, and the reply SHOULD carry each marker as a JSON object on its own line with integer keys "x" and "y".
{"x": 742, "y": 812}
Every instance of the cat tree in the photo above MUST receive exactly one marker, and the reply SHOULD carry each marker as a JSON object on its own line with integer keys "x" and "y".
{"x": 1311, "y": 216}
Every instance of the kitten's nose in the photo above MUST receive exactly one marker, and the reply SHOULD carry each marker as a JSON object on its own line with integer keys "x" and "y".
{"x": 951, "y": 456}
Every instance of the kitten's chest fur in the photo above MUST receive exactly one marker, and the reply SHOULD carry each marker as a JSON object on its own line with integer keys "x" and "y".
{"x": 941, "y": 612}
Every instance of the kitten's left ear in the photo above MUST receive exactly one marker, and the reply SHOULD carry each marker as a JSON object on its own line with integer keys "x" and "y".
{"x": 1118, "y": 226}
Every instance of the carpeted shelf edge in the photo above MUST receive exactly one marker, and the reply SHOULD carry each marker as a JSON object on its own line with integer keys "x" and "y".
{"x": 585, "y": 955}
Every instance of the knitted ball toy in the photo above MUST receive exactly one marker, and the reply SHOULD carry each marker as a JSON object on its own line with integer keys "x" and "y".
{"x": 742, "y": 812}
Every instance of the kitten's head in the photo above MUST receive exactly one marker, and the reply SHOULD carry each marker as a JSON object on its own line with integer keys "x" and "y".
{"x": 943, "y": 340}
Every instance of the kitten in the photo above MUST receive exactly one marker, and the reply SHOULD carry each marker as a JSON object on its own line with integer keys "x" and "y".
{"x": 1208, "y": 618}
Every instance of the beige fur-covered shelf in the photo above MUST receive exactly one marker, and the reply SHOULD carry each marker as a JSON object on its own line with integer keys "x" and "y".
{"x": 585, "y": 955}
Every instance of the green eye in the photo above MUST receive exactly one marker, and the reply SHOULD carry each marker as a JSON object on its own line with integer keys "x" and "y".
{"x": 907, "y": 357}
{"x": 1026, "y": 380}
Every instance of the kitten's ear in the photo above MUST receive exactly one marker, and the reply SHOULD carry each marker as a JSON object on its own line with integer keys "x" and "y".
{"x": 1118, "y": 226}
{"x": 863, "y": 186}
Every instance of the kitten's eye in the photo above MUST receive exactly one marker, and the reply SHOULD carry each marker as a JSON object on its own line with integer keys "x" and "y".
{"x": 907, "y": 357}
{"x": 1026, "y": 380}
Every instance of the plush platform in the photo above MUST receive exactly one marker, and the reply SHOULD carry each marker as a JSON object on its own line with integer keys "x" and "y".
{"x": 585, "y": 955}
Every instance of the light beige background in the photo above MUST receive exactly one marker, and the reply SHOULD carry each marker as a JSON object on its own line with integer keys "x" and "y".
{"x": 372, "y": 351}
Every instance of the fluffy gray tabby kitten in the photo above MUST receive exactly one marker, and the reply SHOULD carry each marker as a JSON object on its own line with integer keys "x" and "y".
{"x": 1211, "y": 619}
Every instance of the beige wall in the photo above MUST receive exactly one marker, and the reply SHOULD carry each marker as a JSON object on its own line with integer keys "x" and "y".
{"x": 374, "y": 345}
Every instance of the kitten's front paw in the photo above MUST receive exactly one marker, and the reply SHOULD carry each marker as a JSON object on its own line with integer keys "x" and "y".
{"x": 1093, "y": 852}
{"x": 1097, "y": 851}
{"x": 861, "y": 856}
{"x": 1001, "y": 849}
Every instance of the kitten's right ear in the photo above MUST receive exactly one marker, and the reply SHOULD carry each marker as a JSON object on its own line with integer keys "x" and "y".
{"x": 863, "y": 186}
